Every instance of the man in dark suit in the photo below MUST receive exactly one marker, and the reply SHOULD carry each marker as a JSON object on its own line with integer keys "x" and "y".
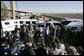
{"x": 16, "y": 27}
{"x": 47, "y": 35}
{"x": 16, "y": 35}
{"x": 36, "y": 35}
{"x": 51, "y": 33}
{"x": 28, "y": 49}
{"x": 23, "y": 33}
{"x": 57, "y": 31}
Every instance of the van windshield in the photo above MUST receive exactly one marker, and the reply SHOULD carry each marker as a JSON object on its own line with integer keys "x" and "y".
{"x": 65, "y": 22}
{"x": 7, "y": 23}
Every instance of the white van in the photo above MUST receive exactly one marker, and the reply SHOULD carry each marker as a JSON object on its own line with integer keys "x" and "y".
{"x": 67, "y": 21}
{"x": 77, "y": 25}
{"x": 9, "y": 25}
{"x": 53, "y": 23}
{"x": 40, "y": 24}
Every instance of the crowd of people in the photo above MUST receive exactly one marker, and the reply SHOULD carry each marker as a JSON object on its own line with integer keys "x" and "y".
{"x": 28, "y": 40}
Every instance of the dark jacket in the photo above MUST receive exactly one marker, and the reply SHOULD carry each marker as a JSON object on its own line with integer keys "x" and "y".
{"x": 23, "y": 35}
{"x": 28, "y": 51}
{"x": 52, "y": 31}
{"x": 45, "y": 33}
{"x": 41, "y": 51}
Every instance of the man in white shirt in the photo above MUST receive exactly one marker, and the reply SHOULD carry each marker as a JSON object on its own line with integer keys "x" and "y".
{"x": 55, "y": 50}
{"x": 62, "y": 47}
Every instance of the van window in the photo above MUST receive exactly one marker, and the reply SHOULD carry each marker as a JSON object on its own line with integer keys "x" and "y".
{"x": 48, "y": 24}
{"x": 7, "y": 23}
{"x": 15, "y": 22}
{"x": 27, "y": 22}
{"x": 40, "y": 24}
{"x": 65, "y": 22}
{"x": 21, "y": 22}
{"x": 57, "y": 24}
{"x": 74, "y": 21}
{"x": 33, "y": 22}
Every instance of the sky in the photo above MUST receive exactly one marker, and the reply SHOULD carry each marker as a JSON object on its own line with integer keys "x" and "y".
{"x": 49, "y": 6}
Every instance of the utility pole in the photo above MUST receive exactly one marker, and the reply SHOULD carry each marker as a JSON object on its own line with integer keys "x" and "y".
{"x": 12, "y": 8}
{"x": 3, "y": 9}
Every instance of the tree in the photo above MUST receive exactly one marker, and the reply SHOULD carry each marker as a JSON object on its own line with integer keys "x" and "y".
{"x": 4, "y": 10}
